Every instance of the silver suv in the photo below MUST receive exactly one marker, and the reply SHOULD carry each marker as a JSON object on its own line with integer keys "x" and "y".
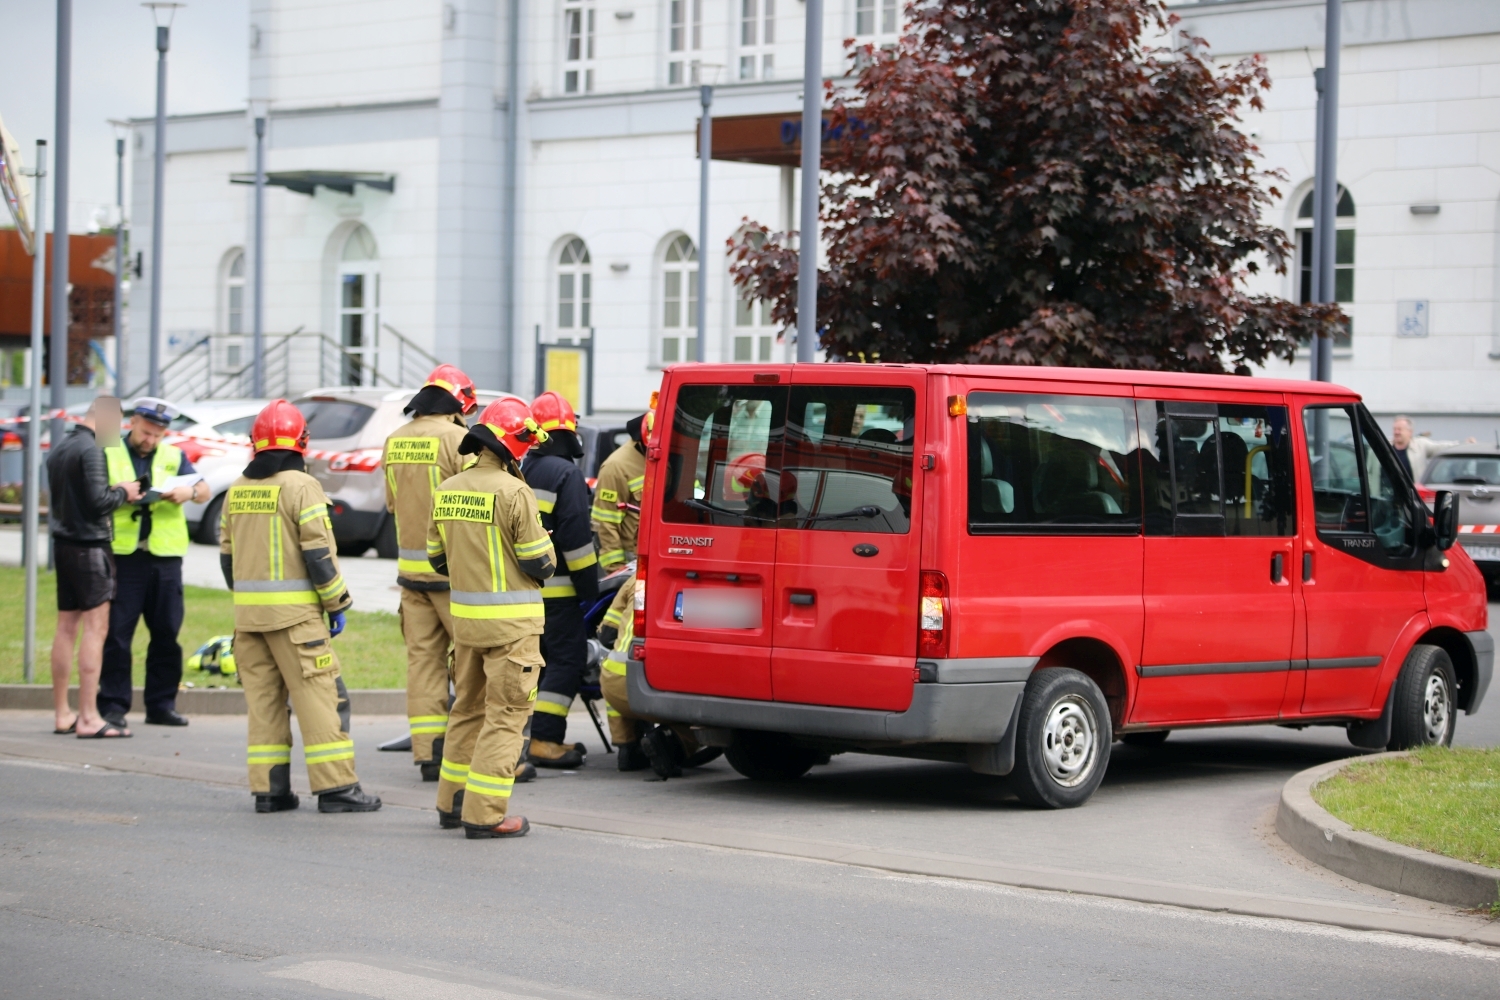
{"x": 354, "y": 422}
{"x": 1472, "y": 474}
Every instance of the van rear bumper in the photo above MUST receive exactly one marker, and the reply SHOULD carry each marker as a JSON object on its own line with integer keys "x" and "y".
{"x": 939, "y": 713}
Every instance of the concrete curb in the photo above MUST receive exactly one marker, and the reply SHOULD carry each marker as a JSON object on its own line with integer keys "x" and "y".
{"x": 1321, "y": 837}
{"x": 201, "y": 701}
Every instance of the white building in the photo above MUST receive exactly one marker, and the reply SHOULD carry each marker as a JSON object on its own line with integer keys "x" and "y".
{"x": 413, "y": 95}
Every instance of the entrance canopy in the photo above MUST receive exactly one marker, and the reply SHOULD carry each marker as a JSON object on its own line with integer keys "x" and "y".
{"x": 306, "y": 181}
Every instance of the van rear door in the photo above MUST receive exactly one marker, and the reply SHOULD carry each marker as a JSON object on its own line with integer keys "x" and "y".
{"x": 847, "y": 557}
{"x": 713, "y": 553}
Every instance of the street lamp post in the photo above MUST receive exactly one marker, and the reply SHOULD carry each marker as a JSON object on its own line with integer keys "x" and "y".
{"x": 31, "y": 500}
{"x": 60, "y": 311}
{"x": 257, "y": 292}
{"x": 1325, "y": 184}
{"x": 705, "y": 156}
{"x": 121, "y": 354}
{"x": 812, "y": 153}
{"x": 163, "y": 43}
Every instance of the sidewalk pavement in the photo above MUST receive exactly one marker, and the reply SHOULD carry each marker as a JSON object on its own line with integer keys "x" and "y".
{"x": 372, "y": 581}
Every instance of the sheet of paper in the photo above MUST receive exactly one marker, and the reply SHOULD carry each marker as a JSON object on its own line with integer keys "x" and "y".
{"x": 157, "y": 490}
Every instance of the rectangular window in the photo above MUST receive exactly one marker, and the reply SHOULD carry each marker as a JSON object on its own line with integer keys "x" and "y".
{"x": 864, "y": 17}
{"x": 847, "y": 463}
{"x": 1216, "y": 469}
{"x": 565, "y": 300}
{"x": 672, "y": 301}
{"x": 748, "y": 22}
{"x": 1357, "y": 490}
{"x": 743, "y": 347}
{"x": 578, "y": 49}
{"x": 724, "y": 459}
{"x": 888, "y": 17}
{"x": 765, "y": 349}
{"x": 1043, "y": 464}
{"x": 677, "y": 30}
{"x": 670, "y": 346}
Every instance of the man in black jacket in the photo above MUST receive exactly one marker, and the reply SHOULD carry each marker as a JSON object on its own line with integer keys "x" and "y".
{"x": 79, "y": 513}
{"x": 562, "y": 497}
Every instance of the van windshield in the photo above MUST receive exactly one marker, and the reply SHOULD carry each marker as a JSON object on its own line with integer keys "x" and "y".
{"x": 1043, "y": 462}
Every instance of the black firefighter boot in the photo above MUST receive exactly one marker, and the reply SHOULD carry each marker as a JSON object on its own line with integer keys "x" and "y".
{"x": 350, "y": 799}
{"x": 432, "y": 769}
{"x": 281, "y": 797}
{"x": 630, "y": 756}
{"x": 662, "y": 747}
{"x": 525, "y": 769}
{"x": 453, "y": 820}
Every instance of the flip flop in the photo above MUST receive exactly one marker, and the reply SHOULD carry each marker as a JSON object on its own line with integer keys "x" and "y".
{"x": 73, "y": 728}
{"x": 108, "y": 731}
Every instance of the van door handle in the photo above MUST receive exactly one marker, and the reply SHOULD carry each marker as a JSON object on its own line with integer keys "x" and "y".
{"x": 1306, "y": 567}
{"x": 1276, "y": 567}
{"x": 805, "y": 599}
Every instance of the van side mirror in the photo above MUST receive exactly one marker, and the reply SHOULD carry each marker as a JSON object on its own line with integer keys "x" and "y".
{"x": 1445, "y": 520}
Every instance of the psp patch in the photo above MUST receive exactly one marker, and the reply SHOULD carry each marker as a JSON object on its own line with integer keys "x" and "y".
{"x": 253, "y": 499}
{"x": 463, "y": 505}
{"x": 325, "y": 661}
{"x": 411, "y": 451}
{"x": 609, "y": 496}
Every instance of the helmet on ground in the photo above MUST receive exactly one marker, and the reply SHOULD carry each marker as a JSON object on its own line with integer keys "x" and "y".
{"x": 279, "y": 426}
{"x": 506, "y": 424}
{"x": 554, "y": 413}
{"x": 450, "y": 379}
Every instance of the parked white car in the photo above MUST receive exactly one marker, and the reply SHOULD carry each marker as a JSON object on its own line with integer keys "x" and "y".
{"x": 215, "y": 436}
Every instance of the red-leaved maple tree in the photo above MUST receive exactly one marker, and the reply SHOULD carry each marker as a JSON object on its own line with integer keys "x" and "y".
{"x": 1032, "y": 182}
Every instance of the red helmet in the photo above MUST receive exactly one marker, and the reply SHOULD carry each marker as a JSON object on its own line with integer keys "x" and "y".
{"x": 280, "y": 426}
{"x": 553, "y": 412}
{"x": 511, "y": 422}
{"x": 456, "y": 382}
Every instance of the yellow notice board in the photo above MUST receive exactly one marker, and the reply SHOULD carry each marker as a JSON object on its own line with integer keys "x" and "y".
{"x": 564, "y": 374}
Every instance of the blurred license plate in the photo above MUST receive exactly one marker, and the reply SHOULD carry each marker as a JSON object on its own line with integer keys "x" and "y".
{"x": 1483, "y": 553}
{"x": 719, "y": 607}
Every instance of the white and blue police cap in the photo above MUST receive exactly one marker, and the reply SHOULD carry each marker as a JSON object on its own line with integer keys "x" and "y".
{"x": 158, "y": 411}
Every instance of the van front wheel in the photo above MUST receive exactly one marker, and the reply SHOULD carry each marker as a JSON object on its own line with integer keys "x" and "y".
{"x": 769, "y": 756}
{"x": 1063, "y": 739}
{"x": 1423, "y": 710}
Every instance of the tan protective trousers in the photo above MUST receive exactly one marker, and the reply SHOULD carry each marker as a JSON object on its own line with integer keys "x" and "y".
{"x": 427, "y": 627}
{"x": 297, "y": 663}
{"x": 495, "y": 690}
{"x": 624, "y": 725}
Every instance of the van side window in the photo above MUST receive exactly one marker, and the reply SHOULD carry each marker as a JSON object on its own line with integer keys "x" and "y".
{"x": 1052, "y": 464}
{"x": 1357, "y": 489}
{"x": 848, "y": 459}
{"x": 724, "y": 460}
{"x": 1217, "y": 469}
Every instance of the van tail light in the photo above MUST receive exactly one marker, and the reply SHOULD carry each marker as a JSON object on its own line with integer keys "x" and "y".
{"x": 932, "y": 634}
{"x": 639, "y": 620}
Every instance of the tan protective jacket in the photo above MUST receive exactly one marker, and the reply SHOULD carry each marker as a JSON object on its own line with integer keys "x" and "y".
{"x": 621, "y": 479}
{"x": 419, "y": 456}
{"x": 276, "y": 547}
{"x": 487, "y": 536}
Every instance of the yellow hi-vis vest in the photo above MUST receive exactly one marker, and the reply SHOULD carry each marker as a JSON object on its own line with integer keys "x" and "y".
{"x": 169, "y": 533}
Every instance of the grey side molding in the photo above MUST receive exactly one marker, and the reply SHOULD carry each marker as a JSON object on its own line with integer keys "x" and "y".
{"x": 1483, "y": 645}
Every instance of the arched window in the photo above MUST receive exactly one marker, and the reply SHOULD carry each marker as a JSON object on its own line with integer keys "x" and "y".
{"x": 679, "y": 320}
{"x": 574, "y": 288}
{"x": 1343, "y": 254}
{"x": 754, "y": 332}
{"x": 359, "y": 308}
{"x": 234, "y": 293}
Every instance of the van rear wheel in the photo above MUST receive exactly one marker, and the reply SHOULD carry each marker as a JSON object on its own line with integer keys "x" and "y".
{"x": 1423, "y": 711}
{"x": 769, "y": 756}
{"x": 1062, "y": 740}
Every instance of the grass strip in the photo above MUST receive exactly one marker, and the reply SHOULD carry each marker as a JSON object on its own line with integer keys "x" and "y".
{"x": 371, "y": 651}
{"x": 1438, "y": 799}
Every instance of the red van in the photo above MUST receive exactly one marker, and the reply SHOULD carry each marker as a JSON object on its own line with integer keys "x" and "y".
{"x": 1013, "y": 567}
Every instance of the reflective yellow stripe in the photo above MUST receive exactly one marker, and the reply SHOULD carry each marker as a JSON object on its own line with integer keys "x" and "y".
{"x": 636, "y": 484}
{"x": 322, "y": 753}
{"x": 609, "y": 711}
{"x": 269, "y": 753}
{"x": 615, "y": 667}
{"x": 565, "y": 590}
{"x": 312, "y": 513}
{"x": 553, "y": 703}
{"x": 577, "y": 564}
{"x": 529, "y": 550}
{"x": 611, "y": 557}
{"x": 545, "y": 506}
{"x": 613, "y": 617}
{"x": 332, "y": 588}
{"x": 286, "y": 597}
{"x": 413, "y": 566}
{"x": 456, "y": 773}
{"x": 498, "y": 610}
{"x": 425, "y": 724}
{"x": 608, "y": 516}
{"x": 487, "y": 784}
{"x": 497, "y": 558}
{"x": 434, "y": 548}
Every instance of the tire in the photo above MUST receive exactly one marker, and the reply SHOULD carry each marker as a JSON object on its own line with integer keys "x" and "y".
{"x": 354, "y": 548}
{"x": 1062, "y": 740}
{"x": 385, "y": 542}
{"x": 1150, "y": 740}
{"x": 208, "y": 528}
{"x": 704, "y": 756}
{"x": 769, "y": 756}
{"x": 1424, "y": 708}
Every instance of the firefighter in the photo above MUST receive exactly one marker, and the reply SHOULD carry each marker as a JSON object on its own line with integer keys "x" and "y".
{"x": 617, "y": 496}
{"x": 487, "y": 538}
{"x": 419, "y": 455}
{"x": 562, "y": 496}
{"x": 277, "y": 551}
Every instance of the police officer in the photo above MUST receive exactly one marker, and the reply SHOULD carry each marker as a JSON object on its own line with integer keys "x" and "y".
{"x": 562, "y": 496}
{"x": 150, "y": 541}
{"x": 617, "y": 497}
{"x": 418, "y": 456}
{"x": 277, "y": 552}
{"x": 487, "y": 537}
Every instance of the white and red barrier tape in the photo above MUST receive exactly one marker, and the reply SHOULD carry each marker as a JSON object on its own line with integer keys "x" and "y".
{"x": 1479, "y": 529}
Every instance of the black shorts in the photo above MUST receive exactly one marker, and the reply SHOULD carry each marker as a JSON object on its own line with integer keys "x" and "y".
{"x": 85, "y": 575}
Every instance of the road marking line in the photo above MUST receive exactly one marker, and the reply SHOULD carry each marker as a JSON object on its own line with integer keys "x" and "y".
{"x": 386, "y": 984}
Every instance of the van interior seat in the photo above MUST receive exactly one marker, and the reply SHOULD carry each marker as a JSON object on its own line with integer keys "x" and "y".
{"x": 996, "y": 495}
{"x": 1068, "y": 483}
{"x": 1236, "y": 454}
